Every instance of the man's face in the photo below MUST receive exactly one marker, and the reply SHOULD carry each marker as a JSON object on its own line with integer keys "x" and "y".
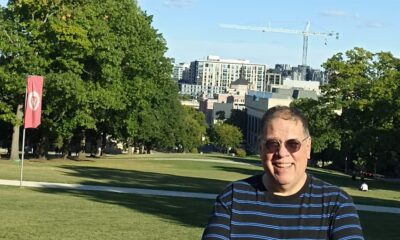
{"x": 283, "y": 159}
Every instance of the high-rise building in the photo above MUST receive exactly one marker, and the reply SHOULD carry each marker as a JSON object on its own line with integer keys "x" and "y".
{"x": 180, "y": 72}
{"x": 222, "y": 72}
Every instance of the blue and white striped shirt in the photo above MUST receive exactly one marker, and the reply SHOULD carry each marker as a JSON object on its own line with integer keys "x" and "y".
{"x": 246, "y": 210}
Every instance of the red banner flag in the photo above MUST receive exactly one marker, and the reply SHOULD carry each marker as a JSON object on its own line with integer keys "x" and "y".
{"x": 33, "y": 101}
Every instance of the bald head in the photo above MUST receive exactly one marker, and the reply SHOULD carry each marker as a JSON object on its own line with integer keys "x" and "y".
{"x": 286, "y": 113}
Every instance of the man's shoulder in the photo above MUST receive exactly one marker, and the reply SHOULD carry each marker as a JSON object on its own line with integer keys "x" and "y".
{"x": 247, "y": 186}
{"x": 323, "y": 187}
{"x": 252, "y": 183}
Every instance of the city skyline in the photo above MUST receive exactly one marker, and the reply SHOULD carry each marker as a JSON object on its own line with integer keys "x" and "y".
{"x": 192, "y": 29}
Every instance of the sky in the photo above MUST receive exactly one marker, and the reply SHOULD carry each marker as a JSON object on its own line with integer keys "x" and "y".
{"x": 192, "y": 28}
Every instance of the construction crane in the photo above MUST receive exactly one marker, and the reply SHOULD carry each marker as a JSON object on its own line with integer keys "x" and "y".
{"x": 306, "y": 33}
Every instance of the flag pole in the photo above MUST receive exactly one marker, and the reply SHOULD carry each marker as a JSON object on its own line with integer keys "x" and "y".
{"x": 22, "y": 157}
{"x": 23, "y": 142}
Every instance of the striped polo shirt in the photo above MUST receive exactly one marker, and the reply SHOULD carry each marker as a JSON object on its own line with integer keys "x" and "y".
{"x": 246, "y": 210}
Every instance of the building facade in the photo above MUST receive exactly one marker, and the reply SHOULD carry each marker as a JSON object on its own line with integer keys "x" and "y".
{"x": 222, "y": 72}
{"x": 180, "y": 72}
{"x": 196, "y": 91}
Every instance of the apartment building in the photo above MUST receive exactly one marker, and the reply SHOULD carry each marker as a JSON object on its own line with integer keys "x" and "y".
{"x": 215, "y": 71}
{"x": 180, "y": 72}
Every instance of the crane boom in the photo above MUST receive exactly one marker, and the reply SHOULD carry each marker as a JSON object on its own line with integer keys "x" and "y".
{"x": 306, "y": 33}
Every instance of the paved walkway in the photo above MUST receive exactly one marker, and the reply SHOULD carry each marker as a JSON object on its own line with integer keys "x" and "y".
{"x": 155, "y": 192}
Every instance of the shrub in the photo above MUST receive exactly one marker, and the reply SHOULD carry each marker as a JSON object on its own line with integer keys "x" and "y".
{"x": 194, "y": 150}
{"x": 240, "y": 152}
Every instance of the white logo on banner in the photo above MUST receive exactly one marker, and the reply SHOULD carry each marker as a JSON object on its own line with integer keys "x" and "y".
{"x": 33, "y": 100}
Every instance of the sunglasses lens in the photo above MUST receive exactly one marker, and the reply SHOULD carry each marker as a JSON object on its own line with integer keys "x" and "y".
{"x": 272, "y": 146}
{"x": 293, "y": 145}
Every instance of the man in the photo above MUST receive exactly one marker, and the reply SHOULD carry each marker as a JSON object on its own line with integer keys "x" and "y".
{"x": 284, "y": 202}
{"x": 364, "y": 186}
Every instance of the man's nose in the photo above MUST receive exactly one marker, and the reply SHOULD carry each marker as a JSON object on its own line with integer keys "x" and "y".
{"x": 282, "y": 151}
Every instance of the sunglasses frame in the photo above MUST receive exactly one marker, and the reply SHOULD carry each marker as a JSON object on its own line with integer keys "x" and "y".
{"x": 277, "y": 147}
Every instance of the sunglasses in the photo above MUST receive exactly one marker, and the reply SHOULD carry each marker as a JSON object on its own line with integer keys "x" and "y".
{"x": 274, "y": 145}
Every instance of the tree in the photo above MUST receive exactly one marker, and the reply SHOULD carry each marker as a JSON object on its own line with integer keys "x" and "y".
{"x": 365, "y": 87}
{"x": 220, "y": 115}
{"x": 104, "y": 67}
{"x": 226, "y": 136}
{"x": 194, "y": 128}
{"x": 238, "y": 118}
{"x": 17, "y": 59}
{"x": 322, "y": 126}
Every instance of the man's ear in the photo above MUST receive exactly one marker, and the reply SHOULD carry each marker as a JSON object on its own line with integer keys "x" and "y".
{"x": 309, "y": 148}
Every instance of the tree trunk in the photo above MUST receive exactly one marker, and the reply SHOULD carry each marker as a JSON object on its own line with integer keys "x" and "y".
{"x": 104, "y": 143}
{"x": 43, "y": 147}
{"x": 141, "y": 149}
{"x": 99, "y": 141}
{"x": 82, "y": 148}
{"x": 15, "y": 138}
{"x": 130, "y": 150}
{"x": 64, "y": 149}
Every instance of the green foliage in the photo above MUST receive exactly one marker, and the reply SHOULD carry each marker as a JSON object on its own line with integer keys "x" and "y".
{"x": 220, "y": 115}
{"x": 194, "y": 150}
{"x": 104, "y": 69}
{"x": 240, "y": 152}
{"x": 193, "y": 129}
{"x": 322, "y": 123}
{"x": 226, "y": 136}
{"x": 365, "y": 87}
{"x": 359, "y": 164}
{"x": 238, "y": 118}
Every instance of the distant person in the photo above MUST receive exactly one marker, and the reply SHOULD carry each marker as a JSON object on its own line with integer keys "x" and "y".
{"x": 284, "y": 202}
{"x": 364, "y": 186}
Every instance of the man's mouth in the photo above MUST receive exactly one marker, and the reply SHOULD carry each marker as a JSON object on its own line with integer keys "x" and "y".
{"x": 282, "y": 165}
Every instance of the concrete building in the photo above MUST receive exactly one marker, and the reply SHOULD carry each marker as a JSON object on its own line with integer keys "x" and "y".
{"x": 300, "y": 73}
{"x": 293, "y": 84}
{"x": 197, "y": 91}
{"x": 222, "y": 72}
{"x": 236, "y": 93}
{"x": 207, "y": 106}
{"x": 234, "y": 98}
{"x": 180, "y": 72}
{"x": 221, "y": 108}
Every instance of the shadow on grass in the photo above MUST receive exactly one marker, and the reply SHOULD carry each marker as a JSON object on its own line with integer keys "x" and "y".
{"x": 251, "y": 161}
{"x": 188, "y": 212}
{"x": 346, "y": 181}
{"x": 371, "y": 223}
{"x": 185, "y": 211}
{"x": 376, "y": 201}
{"x": 139, "y": 179}
{"x": 244, "y": 171}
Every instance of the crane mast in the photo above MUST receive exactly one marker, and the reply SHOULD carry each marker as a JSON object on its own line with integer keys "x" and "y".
{"x": 306, "y": 33}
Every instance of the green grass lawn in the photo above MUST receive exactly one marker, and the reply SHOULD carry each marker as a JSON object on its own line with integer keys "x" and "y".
{"x": 51, "y": 214}
{"x": 64, "y": 214}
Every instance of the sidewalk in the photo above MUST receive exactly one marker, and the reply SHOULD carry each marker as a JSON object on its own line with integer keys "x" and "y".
{"x": 155, "y": 192}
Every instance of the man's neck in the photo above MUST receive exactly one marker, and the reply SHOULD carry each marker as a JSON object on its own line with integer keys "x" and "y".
{"x": 283, "y": 190}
